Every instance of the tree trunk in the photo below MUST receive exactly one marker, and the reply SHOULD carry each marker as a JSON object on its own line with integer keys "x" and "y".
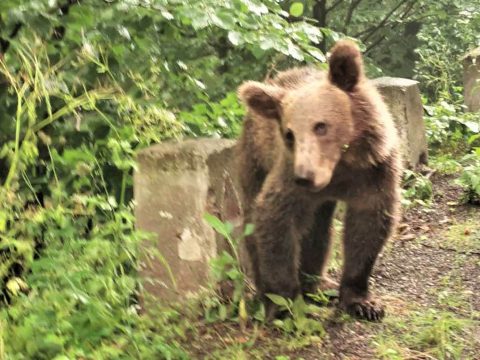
{"x": 320, "y": 14}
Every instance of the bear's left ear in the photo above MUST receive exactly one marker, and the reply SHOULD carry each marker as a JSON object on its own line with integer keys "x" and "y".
{"x": 346, "y": 65}
{"x": 261, "y": 98}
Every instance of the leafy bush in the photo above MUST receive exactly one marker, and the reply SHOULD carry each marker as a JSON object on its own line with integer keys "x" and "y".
{"x": 219, "y": 119}
{"x": 449, "y": 127}
{"x": 470, "y": 176}
{"x": 300, "y": 321}
{"x": 452, "y": 30}
{"x": 83, "y": 86}
{"x": 79, "y": 298}
{"x": 451, "y": 134}
{"x": 417, "y": 188}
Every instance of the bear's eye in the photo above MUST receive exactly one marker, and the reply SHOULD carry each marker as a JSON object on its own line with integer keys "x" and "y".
{"x": 320, "y": 128}
{"x": 289, "y": 138}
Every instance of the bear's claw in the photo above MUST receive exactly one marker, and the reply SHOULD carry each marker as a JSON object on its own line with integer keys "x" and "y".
{"x": 366, "y": 309}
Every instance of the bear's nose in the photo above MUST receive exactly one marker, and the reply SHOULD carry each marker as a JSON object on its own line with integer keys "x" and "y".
{"x": 304, "y": 179}
{"x": 303, "y": 182}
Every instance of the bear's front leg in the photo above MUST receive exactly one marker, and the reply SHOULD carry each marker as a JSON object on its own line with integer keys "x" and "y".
{"x": 366, "y": 231}
{"x": 277, "y": 247}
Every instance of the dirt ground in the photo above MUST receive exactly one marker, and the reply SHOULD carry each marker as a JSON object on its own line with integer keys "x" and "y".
{"x": 429, "y": 279}
{"x": 420, "y": 262}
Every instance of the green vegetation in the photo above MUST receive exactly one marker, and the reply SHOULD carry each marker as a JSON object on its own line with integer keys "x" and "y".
{"x": 417, "y": 189}
{"x": 464, "y": 236}
{"x": 444, "y": 332}
{"x": 84, "y": 84}
{"x": 430, "y": 333}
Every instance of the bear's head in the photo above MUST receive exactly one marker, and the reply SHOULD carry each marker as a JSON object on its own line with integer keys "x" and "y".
{"x": 315, "y": 118}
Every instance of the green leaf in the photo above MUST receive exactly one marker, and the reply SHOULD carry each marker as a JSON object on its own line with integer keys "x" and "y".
{"x": 299, "y": 307}
{"x": 234, "y": 274}
{"x": 473, "y": 138}
{"x": 260, "y": 313}
{"x": 278, "y": 300}
{"x": 317, "y": 54}
{"x": 331, "y": 293}
{"x": 296, "y": 9}
{"x": 242, "y": 311}
{"x": 249, "y": 229}
{"x": 222, "y": 312}
{"x": 15, "y": 285}
{"x": 217, "y": 224}
{"x": 288, "y": 325}
{"x": 234, "y": 37}
{"x": 3, "y": 221}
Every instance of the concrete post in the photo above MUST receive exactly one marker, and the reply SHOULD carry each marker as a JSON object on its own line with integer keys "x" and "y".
{"x": 471, "y": 80}
{"x": 403, "y": 99}
{"x": 175, "y": 185}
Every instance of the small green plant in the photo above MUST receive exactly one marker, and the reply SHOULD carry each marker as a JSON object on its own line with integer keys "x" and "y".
{"x": 470, "y": 177}
{"x": 228, "y": 276}
{"x": 301, "y": 320}
{"x": 417, "y": 189}
{"x": 445, "y": 164}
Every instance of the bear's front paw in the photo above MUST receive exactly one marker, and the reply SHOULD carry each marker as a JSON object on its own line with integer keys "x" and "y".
{"x": 365, "y": 309}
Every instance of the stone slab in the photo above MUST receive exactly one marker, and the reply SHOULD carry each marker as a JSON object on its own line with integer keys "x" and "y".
{"x": 402, "y": 96}
{"x": 175, "y": 184}
{"x": 471, "y": 80}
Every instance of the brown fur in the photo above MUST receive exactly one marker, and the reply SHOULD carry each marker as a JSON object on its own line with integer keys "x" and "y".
{"x": 344, "y": 148}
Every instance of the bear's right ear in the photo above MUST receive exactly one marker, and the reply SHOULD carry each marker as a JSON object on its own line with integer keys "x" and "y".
{"x": 261, "y": 98}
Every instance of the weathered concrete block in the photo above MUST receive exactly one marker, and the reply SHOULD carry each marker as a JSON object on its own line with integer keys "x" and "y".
{"x": 403, "y": 99}
{"x": 471, "y": 80}
{"x": 175, "y": 185}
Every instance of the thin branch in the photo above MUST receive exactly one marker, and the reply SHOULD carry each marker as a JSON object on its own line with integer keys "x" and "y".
{"x": 319, "y": 12}
{"x": 394, "y": 25}
{"x": 376, "y": 27}
{"x": 320, "y": 15}
{"x": 374, "y": 44}
{"x": 385, "y": 19}
{"x": 353, "y": 5}
{"x": 327, "y": 10}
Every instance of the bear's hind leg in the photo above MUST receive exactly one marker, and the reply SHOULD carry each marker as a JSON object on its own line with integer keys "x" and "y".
{"x": 316, "y": 247}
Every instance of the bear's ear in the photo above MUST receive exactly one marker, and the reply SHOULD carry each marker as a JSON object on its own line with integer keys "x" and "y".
{"x": 346, "y": 65}
{"x": 261, "y": 98}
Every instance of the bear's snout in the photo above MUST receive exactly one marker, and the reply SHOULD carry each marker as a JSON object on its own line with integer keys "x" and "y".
{"x": 304, "y": 177}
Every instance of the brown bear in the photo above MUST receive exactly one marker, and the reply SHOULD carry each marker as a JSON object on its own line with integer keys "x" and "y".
{"x": 311, "y": 139}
